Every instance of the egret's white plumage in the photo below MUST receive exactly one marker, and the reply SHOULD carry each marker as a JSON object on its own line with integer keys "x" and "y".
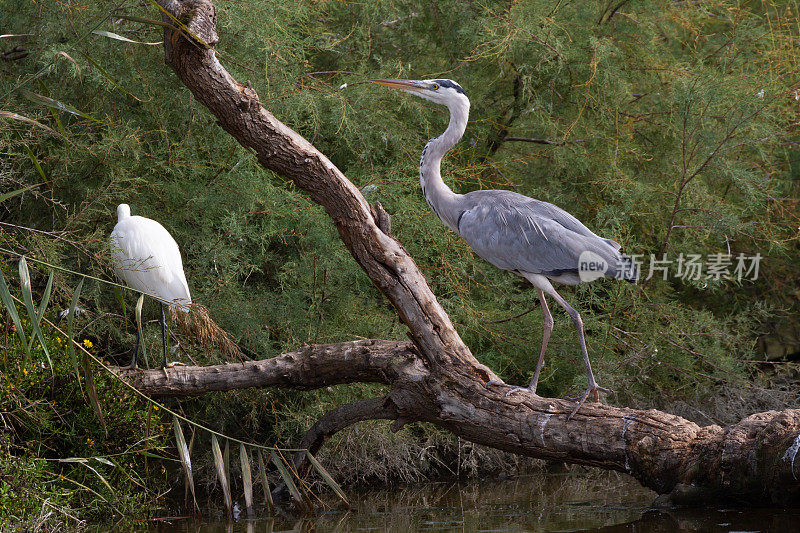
{"x": 147, "y": 258}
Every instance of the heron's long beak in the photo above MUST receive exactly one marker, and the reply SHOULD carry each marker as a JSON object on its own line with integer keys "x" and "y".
{"x": 405, "y": 85}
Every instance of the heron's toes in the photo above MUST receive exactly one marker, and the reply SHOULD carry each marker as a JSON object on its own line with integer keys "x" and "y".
{"x": 593, "y": 389}
{"x": 174, "y": 363}
{"x": 496, "y": 383}
{"x": 516, "y": 388}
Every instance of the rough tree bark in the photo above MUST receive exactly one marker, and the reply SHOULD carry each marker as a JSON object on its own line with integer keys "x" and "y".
{"x": 435, "y": 378}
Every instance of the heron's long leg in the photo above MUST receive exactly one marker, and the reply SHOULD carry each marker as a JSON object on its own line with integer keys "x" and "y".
{"x": 163, "y": 335}
{"x": 547, "y": 329}
{"x": 593, "y": 388}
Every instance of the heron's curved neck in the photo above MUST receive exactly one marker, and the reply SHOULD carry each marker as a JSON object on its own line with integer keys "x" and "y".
{"x": 439, "y": 196}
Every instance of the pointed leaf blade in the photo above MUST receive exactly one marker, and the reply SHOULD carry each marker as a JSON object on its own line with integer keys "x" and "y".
{"x": 283, "y": 470}
{"x": 247, "y": 479}
{"x": 27, "y": 297}
{"x": 55, "y": 104}
{"x": 140, "y": 329}
{"x": 227, "y": 460}
{"x": 327, "y": 477}
{"x": 89, "y": 378}
{"x": 45, "y": 300}
{"x": 70, "y": 329}
{"x": 118, "y": 37}
{"x": 8, "y": 301}
{"x": 8, "y": 195}
{"x": 223, "y": 479}
{"x": 265, "y": 482}
{"x": 186, "y": 460}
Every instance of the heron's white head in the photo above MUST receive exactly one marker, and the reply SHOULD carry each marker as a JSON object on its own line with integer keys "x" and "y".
{"x": 444, "y": 92}
{"x": 123, "y": 212}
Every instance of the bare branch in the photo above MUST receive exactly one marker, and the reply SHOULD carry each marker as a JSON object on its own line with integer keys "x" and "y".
{"x": 312, "y": 367}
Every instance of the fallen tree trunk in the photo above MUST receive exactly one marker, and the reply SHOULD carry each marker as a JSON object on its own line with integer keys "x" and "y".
{"x": 752, "y": 461}
{"x": 435, "y": 378}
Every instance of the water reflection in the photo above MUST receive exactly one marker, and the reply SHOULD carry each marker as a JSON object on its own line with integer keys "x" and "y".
{"x": 595, "y": 501}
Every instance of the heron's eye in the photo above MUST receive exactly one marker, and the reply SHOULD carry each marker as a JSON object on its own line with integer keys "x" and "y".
{"x": 435, "y": 86}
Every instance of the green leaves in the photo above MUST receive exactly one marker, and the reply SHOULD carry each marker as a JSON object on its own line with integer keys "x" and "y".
{"x": 262, "y": 472}
{"x": 57, "y": 105}
{"x": 34, "y": 315}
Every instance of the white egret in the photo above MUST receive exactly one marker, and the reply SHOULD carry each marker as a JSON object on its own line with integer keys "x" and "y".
{"x": 147, "y": 258}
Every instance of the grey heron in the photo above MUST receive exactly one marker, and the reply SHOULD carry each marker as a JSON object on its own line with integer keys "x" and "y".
{"x": 531, "y": 238}
{"x": 147, "y": 258}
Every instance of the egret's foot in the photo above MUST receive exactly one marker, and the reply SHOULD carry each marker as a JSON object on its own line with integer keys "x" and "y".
{"x": 174, "y": 363}
{"x": 594, "y": 389}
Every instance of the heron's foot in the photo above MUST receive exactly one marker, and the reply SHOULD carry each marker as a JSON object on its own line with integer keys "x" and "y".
{"x": 593, "y": 389}
{"x": 174, "y": 363}
{"x": 496, "y": 383}
{"x": 132, "y": 366}
{"x": 517, "y": 388}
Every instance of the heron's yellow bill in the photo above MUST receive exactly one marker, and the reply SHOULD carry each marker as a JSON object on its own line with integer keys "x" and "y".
{"x": 406, "y": 85}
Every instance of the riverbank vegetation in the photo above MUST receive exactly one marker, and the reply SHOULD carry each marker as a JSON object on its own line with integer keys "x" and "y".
{"x": 672, "y": 130}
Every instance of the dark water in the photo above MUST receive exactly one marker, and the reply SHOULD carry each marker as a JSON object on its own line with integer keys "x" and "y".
{"x": 606, "y": 502}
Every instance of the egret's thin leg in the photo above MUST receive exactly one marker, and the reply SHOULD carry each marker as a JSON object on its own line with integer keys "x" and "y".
{"x": 593, "y": 388}
{"x": 163, "y": 335}
{"x": 135, "y": 350}
{"x": 547, "y": 329}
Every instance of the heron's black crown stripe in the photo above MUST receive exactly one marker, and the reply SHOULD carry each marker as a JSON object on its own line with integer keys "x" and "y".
{"x": 451, "y": 84}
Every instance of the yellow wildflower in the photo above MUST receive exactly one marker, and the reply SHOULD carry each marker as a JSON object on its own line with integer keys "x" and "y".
{"x": 89, "y": 442}
{"x": 87, "y": 344}
{"x": 25, "y": 371}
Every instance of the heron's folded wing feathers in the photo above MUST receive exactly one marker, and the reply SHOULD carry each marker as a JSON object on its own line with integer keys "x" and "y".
{"x": 530, "y": 236}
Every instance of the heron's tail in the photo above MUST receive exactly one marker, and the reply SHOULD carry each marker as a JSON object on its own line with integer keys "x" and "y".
{"x": 195, "y": 322}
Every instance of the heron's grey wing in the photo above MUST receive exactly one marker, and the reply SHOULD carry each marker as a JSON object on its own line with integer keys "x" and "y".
{"x": 565, "y": 219}
{"x": 515, "y": 234}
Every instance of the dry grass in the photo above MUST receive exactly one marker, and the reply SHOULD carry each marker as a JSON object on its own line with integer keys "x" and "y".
{"x": 198, "y": 326}
{"x": 369, "y": 452}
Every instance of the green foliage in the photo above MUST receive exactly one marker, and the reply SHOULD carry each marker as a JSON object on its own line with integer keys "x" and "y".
{"x": 675, "y": 130}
